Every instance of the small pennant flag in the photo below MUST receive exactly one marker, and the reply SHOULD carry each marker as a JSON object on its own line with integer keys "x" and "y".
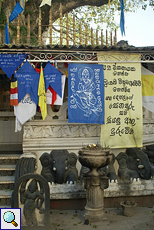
{"x": 14, "y": 92}
{"x": 17, "y": 10}
{"x": 48, "y": 2}
{"x": 42, "y": 97}
{"x": 122, "y": 18}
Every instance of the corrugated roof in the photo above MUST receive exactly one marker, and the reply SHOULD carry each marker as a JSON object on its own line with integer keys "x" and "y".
{"x": 121, "y": 46}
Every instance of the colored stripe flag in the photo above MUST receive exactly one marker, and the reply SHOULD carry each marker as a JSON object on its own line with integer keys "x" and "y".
{"x": 148, "y": 89}
{"x": 13, "y": 92}
{"x": 42, "y": 97}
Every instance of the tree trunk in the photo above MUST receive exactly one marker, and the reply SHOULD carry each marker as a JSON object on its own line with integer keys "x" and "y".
{"x": 32, "y": 7}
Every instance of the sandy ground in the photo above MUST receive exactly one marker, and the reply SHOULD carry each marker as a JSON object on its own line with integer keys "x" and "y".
{"x": 143, "y": 219}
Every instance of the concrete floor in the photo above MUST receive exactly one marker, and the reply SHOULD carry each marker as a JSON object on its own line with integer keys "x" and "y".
{"x": 143, "y": 219}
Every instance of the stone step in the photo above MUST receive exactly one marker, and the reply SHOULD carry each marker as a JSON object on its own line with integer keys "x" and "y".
{"x": 7, "y": 182}
{"x": 7, "y": 170}
{"x": 7, "y": 167}
{"x": 5, "y": 197}
{"x": 5, "y": 193}
{"x": 9, "y": 159}
{"x": 6, "y": 201}
{"x": 6, "y": 179}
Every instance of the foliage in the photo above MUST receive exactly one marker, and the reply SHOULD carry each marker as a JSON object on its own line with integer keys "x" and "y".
{"x": 86, "y": 16}
{"x": 101, "y": 17}
{"x": 2, "y": 16}
{"x": 105, "y": 14}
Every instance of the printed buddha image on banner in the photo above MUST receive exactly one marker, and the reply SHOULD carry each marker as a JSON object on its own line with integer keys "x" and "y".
{"x": 123, "y": 105}
{"x": 85, "y": 93}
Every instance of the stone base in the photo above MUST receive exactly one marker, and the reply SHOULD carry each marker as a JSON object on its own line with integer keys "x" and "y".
{"x": 94, "y": 215}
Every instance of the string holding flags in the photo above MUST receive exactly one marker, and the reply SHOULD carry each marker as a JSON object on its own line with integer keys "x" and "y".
{"x": 122, "y": 18}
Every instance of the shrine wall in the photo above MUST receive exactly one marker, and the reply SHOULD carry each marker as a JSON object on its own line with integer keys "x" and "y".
{"x": 56, "y": 133}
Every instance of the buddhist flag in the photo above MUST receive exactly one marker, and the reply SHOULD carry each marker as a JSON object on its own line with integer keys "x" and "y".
{"x": 42, "y": 97}
{"x": 148, "y": 89}
{"x": 13, "y": 92}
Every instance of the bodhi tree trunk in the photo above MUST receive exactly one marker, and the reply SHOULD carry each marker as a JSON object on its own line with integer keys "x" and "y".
{"x": 32, "y": 8}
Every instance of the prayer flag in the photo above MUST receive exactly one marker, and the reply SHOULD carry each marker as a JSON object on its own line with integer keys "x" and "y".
{"x": 122, "y": 18}
{"x": 51, "y": 99}
{"x": 14, "y": 91}
{"x": 148, "y": 89}
{"x": 86, "y": 93}
{"x": 10, "y": 62}
{"x": 24, "y": 111}
{"x": 50, "y": 92}
{"x": 54, "y": 95}
{"x": 28, "y": 80}
{"x": 6, "y": 34}
{"x": 17, "y": 10}
{"x": 48, "y": 2}
{"x": 42, "y": 98}
{"x": 52, "y": 77}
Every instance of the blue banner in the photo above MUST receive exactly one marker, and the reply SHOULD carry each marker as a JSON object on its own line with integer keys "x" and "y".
{"x": 86, "y": 93}
{"x": 122, "y": 18}
{"x": 10, "y": 62}
{"x": 17, "y": 10}
{"x": 28, "y": 80}
{"x": 52, "y": 77}
{"x": 6, "y": 34}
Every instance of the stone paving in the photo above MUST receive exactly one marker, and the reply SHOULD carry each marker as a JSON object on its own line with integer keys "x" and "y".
{"x": 143, "y": 219}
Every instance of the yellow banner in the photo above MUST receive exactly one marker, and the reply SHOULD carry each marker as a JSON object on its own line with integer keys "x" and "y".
{"x": 123, "y": 105}
{"x": 42, "y": 97}
{"x": 147, "y": 82}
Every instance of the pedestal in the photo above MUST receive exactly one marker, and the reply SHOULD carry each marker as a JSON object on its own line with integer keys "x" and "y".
{"x": 94, "y": 209}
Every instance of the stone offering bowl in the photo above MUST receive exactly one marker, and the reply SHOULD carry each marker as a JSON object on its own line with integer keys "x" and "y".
{"x": 94, "y": 159}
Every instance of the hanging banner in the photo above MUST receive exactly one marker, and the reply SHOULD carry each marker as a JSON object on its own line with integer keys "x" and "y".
{"x": 17, "y": 10}
{"x": 13, "y": 91}
{"x": 85, "y": 93}
{"x": 148, "y": 89}
{"x": 122, "y": 18}
{"x": 52, "y": 77}
{"x": 58, "y": 100}
{"x": 10, "y": 62}
{"x": 42, "y": 97}
{"x": 123, "y": 104}
{"x": 28, "y": 80}
{"x": 25, "y": 110}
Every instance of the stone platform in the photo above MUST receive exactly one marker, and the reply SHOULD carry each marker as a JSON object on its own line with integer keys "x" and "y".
{"x": 73, "y": 196}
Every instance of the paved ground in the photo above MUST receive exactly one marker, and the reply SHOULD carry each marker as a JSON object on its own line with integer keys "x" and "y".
{"x": 143, "y": 219}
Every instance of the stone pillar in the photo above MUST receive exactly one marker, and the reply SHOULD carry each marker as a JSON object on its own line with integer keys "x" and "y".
{"x": 94, "y": 209}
